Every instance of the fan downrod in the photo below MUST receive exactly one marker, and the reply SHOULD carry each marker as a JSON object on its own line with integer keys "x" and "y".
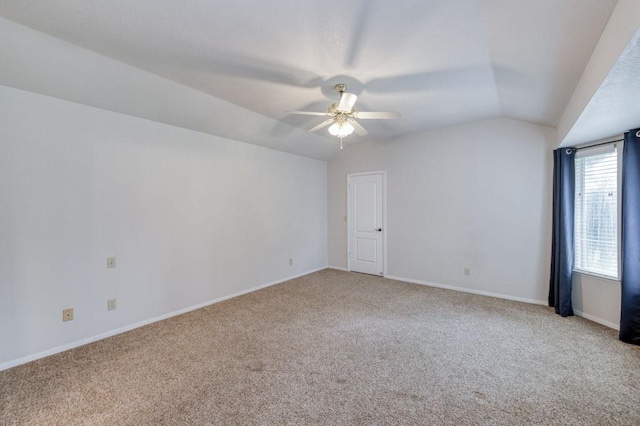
{"x": 341, "y": 87}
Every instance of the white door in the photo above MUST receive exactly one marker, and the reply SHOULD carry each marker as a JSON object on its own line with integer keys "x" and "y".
{"x": 365, "y": 222}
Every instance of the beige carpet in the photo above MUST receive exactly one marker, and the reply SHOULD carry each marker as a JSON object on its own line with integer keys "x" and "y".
{"x": 340, "y": 348}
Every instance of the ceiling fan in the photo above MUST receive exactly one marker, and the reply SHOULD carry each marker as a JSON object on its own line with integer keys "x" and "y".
{"x": 343, "y": 116}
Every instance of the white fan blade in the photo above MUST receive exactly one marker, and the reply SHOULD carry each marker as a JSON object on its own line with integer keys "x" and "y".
{"x": 368, "y": 115}
{"x": 360, "y": 131}
{"x": 325, "y": 123}
{"x": 347, "y": 101}
{"x": 307, "y": 112}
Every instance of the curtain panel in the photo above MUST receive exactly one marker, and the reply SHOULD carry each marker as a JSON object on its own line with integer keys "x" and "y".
{"x": 630, "y": 277}
{"x": 562, "y": 231}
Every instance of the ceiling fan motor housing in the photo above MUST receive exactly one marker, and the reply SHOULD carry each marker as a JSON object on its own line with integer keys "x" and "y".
{"x": 341, "y": 87}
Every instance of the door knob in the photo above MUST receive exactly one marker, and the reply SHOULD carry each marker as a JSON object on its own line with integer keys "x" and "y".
{"x": 379, "y": 229}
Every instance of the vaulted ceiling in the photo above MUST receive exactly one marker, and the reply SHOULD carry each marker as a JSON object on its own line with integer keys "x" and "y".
{"x": 437, "y": 62}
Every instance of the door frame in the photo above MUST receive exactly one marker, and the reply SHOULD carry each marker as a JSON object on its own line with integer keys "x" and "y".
{"x": 384, "y": 216}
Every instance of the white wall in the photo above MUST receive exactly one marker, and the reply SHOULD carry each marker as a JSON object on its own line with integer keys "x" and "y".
{"x": 191, "y": 217}
{"x": 597, "y": 299}
{"x": 476, "y": 195}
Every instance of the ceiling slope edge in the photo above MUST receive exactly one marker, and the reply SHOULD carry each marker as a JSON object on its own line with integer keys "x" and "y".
{"x": 616, "y": 36}
{"x": 40, "y": 63}
{"x": 452, "y": 127}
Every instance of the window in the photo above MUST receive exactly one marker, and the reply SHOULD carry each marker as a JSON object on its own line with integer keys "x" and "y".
{"x": 596, "y": 211}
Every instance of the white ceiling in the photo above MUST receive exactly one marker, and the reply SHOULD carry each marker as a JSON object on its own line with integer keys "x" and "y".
{"x": 614, "y": 107}
{"x": 437, "y": 62}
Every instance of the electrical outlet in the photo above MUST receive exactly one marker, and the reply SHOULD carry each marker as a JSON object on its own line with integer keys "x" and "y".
{"x": 111, "y": 262}
{"x": 67, "y": 314}
{"x": 467, "y": 271}
{"x": 111, "y": 304}
{"x": 290, "y": 262}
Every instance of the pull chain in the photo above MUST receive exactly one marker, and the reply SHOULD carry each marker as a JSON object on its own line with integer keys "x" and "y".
{"x": 340, "y": 143}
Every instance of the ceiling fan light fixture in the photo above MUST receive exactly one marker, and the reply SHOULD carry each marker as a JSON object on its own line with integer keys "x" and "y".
{"x": 342, "y": 121}
{"x": 341, "y": 130}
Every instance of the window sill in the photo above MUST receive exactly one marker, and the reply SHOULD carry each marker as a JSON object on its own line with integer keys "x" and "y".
{"x": 594, "y": 275}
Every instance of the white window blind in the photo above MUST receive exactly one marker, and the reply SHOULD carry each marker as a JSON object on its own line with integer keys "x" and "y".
{"x": 596, "y": 213}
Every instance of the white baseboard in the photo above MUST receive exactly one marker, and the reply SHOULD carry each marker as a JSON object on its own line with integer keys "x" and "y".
{"x": 82, "y": 342}
{"x": 508, "y": 297}
{"x": 469, "y": 290}
{"x": 598, "y": 320}
{"x": 498, "y": 295}
{"x": 338, "y": 268}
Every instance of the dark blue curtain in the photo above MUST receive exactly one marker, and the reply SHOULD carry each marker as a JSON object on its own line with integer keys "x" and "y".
{"x": 630, "y": 282}
{"x": 562, "y": 231}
